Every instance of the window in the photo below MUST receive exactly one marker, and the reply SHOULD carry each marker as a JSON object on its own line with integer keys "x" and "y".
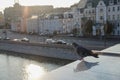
{"x": 118, "y": 1}
{"x": 101, "y": 10}
{"x": 89, "y": 5}
{"x": 113, "y": 8}
{"x": 101, "y": 17}
{"x": 70, "y": 15}
{"x": 111, "y": 2}
{"x": 109, "y": 10}
{"x": 93, "y": 11}
{"x": 86, "y": 12}
{"x": 93, "y": 18}
{"x": 113, "y": 17}
{"x": 89, "y": 18}
{"x": 113, "y": 32}
{"x": 118, "y": 16}
{"x": 89, "y": 12}
{"x": 118, "y": 8}
{"x": 108, "y": 17}
{"x": 118, "y": 25}
{"x": 118, "y": 32}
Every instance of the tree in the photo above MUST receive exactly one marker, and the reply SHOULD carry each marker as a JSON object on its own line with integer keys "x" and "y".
{"x": 83, "y": 22}
{"x": 108, "y": 28}
{"x": 75, "y": 31}
{"x": 55, "y": 32}
{"x": 7, "y": 26}
{"x": 88, "y": 27}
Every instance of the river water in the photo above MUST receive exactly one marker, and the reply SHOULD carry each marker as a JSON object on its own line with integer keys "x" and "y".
{"x": 25, "y": 67}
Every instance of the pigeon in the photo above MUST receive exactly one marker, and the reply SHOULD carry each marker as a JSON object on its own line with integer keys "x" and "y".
{"x": 83, "y": 52}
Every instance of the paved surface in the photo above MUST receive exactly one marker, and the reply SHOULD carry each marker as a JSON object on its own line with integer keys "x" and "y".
{"x": 81, "y": 41}
{"x": 104, "y": 68}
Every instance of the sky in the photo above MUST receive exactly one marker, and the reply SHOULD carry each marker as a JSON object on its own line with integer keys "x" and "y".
{"x": 55, "y": 3}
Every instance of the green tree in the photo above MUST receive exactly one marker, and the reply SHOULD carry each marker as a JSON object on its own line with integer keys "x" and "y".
{"x": 83, "y": 22}
{"x": 7, "y": 26}
{"x": 55, "y": 32}
{"x": 88, "y": 27}
{"x": 108, "y": 28}
{"x": 75, "y": 31}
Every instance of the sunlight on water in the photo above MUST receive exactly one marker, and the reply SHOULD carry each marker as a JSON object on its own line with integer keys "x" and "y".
{"x": 34, "y": 72}
{"x": 24, "y": 68}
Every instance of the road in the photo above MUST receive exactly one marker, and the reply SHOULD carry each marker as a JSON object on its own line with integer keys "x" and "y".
{"x": 81, "y": 41}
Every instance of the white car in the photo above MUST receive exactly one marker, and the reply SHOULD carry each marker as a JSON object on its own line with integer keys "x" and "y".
{"x": 6, "y": 38}
{"x": 16, "y": 40}
{"x": 60, "y": 42}
{"x": 49, "y": 41}
{"x": 25, "y": 39}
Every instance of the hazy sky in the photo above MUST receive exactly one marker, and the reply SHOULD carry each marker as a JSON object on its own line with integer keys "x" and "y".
{"x": 55, "y": 3}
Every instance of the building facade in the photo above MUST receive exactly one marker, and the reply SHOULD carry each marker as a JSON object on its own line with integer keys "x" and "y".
{"x": 1, "y": 20}
{"x": 113, "y": 16}
{"x": 101, "y": 11}
{"x": 19, "y": 13}
{"x": 52, "y": 23}
{"x": 32, "y": 25}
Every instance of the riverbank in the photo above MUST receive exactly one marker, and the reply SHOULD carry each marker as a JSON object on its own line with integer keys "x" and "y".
{"x": 37, "y": 58}
{"x": 46, "y": 50}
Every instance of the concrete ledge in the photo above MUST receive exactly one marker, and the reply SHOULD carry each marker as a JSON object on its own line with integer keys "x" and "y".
{"x": 104, "y": 68}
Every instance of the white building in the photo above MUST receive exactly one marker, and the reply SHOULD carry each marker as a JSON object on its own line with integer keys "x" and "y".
{"x": 72, "y": 20}
{"x": 15, "y": 26}
{"x": 1, "y": 19}
{"x": 32, "y": 25}
{"x": 44, "y": 25}
{"x": 101, "y": 11}
{"x": 113, "y": 11}
{"x": 49, "y": 26}
{"x": 68, "y": 22}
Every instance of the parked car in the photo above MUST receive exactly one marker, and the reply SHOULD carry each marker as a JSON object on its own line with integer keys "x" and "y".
{"x": 16, "y": 40}
{"x": 41, "y": 34}
{"x": 6, "y": 38}
{"x": 60, "y": 42}
{"x": 49, "y": 41}
{"x": 70, "y": 35}
{"x": 25, "y": 39}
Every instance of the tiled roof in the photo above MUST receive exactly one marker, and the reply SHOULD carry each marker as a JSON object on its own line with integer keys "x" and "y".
{"x": 81, "y": 4}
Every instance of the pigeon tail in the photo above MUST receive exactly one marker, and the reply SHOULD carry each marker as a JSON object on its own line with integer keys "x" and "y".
{"x": 75, "y": 44}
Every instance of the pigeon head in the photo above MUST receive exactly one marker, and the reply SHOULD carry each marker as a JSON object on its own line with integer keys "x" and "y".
{"x": 75, "y": 44}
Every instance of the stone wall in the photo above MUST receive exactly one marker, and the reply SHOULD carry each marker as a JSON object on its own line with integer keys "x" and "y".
{"x": 47, "y": 50}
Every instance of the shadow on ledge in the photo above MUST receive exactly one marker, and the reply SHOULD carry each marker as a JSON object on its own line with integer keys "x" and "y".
{"x": 84, "y": 65}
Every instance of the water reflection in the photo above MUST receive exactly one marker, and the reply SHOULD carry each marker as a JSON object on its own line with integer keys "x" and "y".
{"x": 34, "y": 71}
{"x": 23, "y": 67}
